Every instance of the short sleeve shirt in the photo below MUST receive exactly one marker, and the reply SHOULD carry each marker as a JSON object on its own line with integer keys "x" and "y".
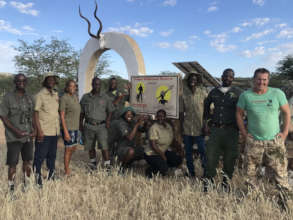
{"x": 19, "y": 111}
{"x": 263, "y": 112}
{"x": 69, "y": 104}
{"x": 125, "y": 129}
{"x": 162, "y": 135}
{"x": 225, "y": 106}
{"x": 96, "y": 107}
{"x": 113, "y": 95}
{"x": 47, "y": 105}
{"x": 192, "y": 106}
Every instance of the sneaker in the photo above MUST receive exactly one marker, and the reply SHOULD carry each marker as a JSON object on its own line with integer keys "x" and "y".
{"x": 39, "y": 181}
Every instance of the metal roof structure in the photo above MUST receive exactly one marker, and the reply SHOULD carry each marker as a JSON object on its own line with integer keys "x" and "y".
{"x": 195, "y": 67}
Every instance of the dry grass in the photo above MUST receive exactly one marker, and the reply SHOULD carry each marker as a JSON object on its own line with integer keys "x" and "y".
{"x": 99, "y": 196}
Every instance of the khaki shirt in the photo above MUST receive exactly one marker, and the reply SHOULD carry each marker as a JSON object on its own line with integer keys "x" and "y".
{"x": 96, "y": 107}
{"x": 47, "y": 104}
{"x": 192, "y": 106}
{"x": 163, "y": 137}
{"x": 69, "y": 104}
{"x": 19, "y": 111}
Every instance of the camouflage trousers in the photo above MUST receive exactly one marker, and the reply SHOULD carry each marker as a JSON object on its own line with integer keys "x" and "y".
{"x": 272, "y": 154}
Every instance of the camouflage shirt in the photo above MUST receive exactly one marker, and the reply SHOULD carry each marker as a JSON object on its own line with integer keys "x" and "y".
{"x": 113, "y": 95}
{"x": 124, "y": 129}
{"x": 19, "y": 111}
{"x": 192, "y": 106}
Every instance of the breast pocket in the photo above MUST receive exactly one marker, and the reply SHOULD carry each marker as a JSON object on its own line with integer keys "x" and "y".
{"x": 14, "y": 109}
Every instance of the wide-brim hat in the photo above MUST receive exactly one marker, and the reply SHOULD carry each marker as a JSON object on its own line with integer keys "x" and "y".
{"x": 126, "y": 109}
{"x": 47, "y": 74}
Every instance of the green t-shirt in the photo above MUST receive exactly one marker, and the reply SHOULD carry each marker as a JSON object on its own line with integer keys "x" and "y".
{"x": 263, "y": 112}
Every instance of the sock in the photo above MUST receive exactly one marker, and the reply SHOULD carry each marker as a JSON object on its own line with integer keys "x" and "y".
{"x": 107, "y": 163}
{"x": 93, "y": 161}
{"x": 10, "y": 182}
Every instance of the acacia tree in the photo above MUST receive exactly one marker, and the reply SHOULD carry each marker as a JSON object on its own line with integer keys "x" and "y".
{"x": 285, "y": 67}
{"x": 58, "y": 56}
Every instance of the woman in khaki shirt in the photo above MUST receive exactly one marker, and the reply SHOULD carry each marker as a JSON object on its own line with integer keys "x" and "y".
{"x": 69, "y": 114}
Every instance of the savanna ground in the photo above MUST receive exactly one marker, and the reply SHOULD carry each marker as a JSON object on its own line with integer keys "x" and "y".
{"x": 97, "y": 195}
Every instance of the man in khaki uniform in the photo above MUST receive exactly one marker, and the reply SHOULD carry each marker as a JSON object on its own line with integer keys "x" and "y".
{"x": 96, "y": 112}
{"x": 191, "y": 117}
{"x": 48, "y": 126}
{"x": 16, "y": 112}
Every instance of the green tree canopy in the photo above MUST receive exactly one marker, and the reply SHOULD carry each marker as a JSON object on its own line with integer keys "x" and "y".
{"x": 58, "y": 56}
{"x": 285, "y": 67}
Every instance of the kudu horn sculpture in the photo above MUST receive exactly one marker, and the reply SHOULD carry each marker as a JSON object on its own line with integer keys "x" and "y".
{"x": 89, "y": 24}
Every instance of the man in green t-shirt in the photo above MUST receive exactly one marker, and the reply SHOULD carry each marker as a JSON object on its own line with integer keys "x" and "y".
{"x": 264, "y": 140}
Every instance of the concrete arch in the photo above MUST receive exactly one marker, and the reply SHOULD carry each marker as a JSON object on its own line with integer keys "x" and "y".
{"x": 124, "y": 45}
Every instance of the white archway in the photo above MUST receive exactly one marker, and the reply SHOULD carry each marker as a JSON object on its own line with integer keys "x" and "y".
{"x": 124, "y": 45}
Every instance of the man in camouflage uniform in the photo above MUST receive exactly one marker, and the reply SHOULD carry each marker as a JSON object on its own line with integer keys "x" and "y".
{"x": 264, "y": 140}
{"x": 117, "y": 97}
{"x": 223, "y": 127}
{"x": 118, "y": 100}
{"x": 96, "y": 112}
{"x": 16, "y": 112}
{"x": 191, "y": 117}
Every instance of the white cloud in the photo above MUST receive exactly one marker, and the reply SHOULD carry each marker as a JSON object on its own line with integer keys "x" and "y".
{"x": 28, "y": 28}
{"x": 259, "y": 34}
{"x": 57, "y": 31}
{"x": 207, "y": 32}
{"x": 213, "y": 8}
{"x": 255, "y": 52}
{"x": 170, "y": 3}
{"x": 163, "y": 45}
{"x": 25, "y": 8}
{"x": 136, "y": 30}
{"x": 286, "y": 33}
{"x": 219, "y": 43}
{"x": 194, "y": 37}
{"x": 2, "y": 3}
{"x": 283, "y": 25}
{"x": 181, "y": 45}
{"x": 278, "y": 53}
{"x": 236, "y": 30}
{"x": 166, "y": 33}
{"x": 258, "y": 2}
{"x": 6, "y": 62}
{"x": 5, "y": 26}
{"x": 266, "y": 42}
{"x": 256, "y": 22}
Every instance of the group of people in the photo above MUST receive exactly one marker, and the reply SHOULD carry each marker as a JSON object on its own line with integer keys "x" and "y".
{"x": 104, "y": 121}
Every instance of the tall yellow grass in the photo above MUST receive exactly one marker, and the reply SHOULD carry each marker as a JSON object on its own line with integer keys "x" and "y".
{"x": 99, "y": 196}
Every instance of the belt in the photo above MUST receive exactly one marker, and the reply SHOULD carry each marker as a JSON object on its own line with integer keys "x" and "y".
{"x": 217, "y": 125}
{"x": 95, "y": 123}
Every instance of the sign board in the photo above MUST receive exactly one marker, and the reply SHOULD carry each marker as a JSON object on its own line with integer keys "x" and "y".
{"x": 151, "y": 93}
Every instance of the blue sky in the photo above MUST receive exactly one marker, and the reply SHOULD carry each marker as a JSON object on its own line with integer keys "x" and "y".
{"x": 239, "y": 34}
